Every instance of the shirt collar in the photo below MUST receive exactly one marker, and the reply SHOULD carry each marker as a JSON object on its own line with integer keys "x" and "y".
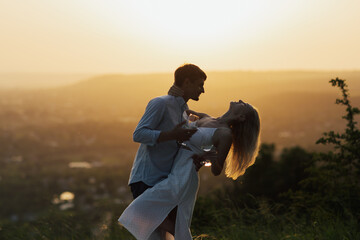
{"x": 176, "y": 91}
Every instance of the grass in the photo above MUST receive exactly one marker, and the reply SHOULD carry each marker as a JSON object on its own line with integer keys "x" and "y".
{"x": 334, "y": 229}
{"x": 220, "y": 224}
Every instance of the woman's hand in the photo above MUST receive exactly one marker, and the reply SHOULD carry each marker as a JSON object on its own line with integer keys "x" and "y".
{"x": 200, "y": 115}
{"x": 199, "y": 160}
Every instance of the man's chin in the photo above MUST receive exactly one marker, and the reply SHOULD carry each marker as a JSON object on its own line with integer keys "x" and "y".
{"x": 195, "y": 98}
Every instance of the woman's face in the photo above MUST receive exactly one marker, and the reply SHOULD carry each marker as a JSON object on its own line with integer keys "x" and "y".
{"x": 239, "y": 109}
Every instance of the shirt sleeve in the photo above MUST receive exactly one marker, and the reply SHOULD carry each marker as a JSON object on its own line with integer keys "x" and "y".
{"x": 146, "y": 131}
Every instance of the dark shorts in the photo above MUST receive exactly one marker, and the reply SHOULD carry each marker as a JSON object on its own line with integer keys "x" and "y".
{"x": 138, "y": 188}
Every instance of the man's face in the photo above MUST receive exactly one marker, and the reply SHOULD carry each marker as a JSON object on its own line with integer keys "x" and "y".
{"x": 194, "y": 89}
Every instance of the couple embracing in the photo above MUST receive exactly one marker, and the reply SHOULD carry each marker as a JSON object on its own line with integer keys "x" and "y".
{"x": 164, "y": 178}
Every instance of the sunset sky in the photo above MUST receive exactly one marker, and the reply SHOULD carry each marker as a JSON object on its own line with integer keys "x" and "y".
{"x": 142, "y": 36}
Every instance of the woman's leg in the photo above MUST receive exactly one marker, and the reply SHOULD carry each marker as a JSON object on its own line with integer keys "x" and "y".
{"x": 169, "y": 236}
{"x": 166, "y": 235}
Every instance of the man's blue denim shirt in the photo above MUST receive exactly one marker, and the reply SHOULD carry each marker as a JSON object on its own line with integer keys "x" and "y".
{"x": 153, "y": 161}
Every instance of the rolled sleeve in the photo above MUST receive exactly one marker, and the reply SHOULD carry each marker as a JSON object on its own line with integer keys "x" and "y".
{"x": 146, "y": 131}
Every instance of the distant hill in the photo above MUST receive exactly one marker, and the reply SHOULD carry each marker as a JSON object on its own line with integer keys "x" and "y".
{"x": 38, "y": 80}
{"x": 296, "y": 107}
{"x": 276, "y": 80}
{"x": 132, "y": 92}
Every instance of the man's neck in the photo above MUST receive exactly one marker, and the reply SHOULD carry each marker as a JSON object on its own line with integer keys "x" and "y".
{"x": 176, "y": 91}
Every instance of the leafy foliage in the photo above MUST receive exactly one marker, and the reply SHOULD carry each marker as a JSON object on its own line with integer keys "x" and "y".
{"x": 333, "y": 184}
{"x": 347, "y": 158}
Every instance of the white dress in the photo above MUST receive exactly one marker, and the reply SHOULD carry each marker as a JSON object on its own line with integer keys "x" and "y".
{"x": 149, "y": 210}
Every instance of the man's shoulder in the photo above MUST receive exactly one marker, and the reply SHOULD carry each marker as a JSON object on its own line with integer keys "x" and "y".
{"x": 162, "y": 99}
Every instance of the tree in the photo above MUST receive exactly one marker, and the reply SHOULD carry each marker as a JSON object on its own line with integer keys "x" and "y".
{"x": 333, "y": 185}
{"x": 347, "y": 144}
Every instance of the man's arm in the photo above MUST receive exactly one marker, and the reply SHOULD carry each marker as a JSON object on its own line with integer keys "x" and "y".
{"x": 145, "y": 131}
{"x": 178, "y": 133}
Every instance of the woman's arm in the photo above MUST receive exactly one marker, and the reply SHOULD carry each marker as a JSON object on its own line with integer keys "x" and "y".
{"x": 200, "y": 115}
{"x": 222, "y": 140}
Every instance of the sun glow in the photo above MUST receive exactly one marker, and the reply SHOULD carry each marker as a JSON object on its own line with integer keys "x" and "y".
{"x": 188, "y": 20}
{"x": 195, "y": 24}
{"x": 192, "y": 22}
{"x": 154, "y": 36}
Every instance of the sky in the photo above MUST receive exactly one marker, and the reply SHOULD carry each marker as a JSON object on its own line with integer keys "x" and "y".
{"x": 145, "y": 36}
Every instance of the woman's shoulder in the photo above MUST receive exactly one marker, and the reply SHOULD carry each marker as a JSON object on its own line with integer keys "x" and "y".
{"x": 222, "y": 134}
{"x": 223, "y": 131}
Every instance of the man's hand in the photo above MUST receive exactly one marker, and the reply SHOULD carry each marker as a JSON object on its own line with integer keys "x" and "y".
{"x": 177, "y": 133}
{"x": 182, "y": 134}
{"x": 198, "y": 160}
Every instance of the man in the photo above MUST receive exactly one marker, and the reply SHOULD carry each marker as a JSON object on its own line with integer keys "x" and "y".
{"x": 160, "y": 129}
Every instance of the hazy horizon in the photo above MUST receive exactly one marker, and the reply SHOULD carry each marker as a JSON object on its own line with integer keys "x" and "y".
{"x": 23, "y": 81}
{"x": 172, "y": 71}
{"x": 49, "y": 80}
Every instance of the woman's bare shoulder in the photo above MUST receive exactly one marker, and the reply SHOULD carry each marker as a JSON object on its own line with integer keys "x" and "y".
{"x": 222, "y": 134}
{"x": 223, "y": 131}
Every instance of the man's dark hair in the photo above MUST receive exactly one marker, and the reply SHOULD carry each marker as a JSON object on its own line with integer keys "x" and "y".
{"x": 190, "y": 71}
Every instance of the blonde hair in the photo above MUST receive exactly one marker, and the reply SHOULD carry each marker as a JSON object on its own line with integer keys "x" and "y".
{"x": 245, "y": 144}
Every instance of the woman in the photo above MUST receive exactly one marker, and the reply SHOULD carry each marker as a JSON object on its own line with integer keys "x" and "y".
{"x": 237, "y": 130}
